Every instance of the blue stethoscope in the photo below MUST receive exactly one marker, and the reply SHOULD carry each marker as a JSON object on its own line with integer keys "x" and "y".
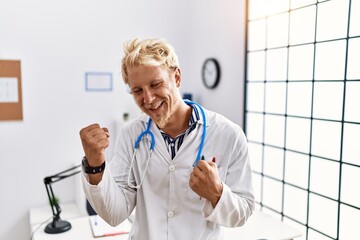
{"x": 148, "y": 132}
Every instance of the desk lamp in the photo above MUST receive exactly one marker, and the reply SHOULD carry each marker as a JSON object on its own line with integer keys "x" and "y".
{"x": 58, "y": 225}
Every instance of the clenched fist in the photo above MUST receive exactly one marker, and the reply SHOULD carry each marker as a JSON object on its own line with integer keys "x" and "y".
{"x": 205, "y": 181}
{"x": 94, "y": 140}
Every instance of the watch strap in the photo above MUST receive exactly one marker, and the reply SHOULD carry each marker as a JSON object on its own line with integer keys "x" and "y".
{"x": 92, "y": 170}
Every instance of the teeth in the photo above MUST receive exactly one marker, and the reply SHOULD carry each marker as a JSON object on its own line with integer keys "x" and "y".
{"x": 154, "y": 106}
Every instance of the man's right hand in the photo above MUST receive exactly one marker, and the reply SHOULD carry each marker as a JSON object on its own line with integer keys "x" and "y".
{"x": 94, "y": 140}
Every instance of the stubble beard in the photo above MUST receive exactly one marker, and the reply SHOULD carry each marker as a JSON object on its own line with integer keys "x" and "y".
{"x": 162, "y": 120}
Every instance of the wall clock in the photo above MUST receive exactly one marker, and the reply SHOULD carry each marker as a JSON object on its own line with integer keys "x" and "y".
{"x": 211, "y": 73}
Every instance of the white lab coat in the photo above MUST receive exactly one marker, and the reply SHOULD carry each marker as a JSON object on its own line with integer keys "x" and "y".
{"x": 166, "y": 207}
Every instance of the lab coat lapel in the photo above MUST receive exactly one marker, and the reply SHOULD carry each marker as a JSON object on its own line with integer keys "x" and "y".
{"x": 188, "y": 150}
{"x": 192, "y": 142}
{"x": 160, "y": 145}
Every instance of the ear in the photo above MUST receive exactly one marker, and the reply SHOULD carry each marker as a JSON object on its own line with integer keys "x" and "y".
{"x": 178, "y": 77}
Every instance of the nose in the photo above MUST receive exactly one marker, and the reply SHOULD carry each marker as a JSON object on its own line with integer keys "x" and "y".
{"x": 149, "y": 96}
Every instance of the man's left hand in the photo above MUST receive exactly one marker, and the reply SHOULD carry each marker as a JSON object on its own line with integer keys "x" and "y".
{"x": 205, "y": 181}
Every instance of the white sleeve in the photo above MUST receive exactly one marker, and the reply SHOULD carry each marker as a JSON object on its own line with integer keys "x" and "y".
{"x": 111, "y": 198}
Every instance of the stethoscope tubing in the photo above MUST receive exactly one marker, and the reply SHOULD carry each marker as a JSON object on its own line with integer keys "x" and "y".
{"x": 147, "y": 131}
{"x": 201, "y": 146}
{"x": 152, "y": 146}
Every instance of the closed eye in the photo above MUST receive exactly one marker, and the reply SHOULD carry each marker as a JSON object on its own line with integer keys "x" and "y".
{"x": 156, "y": 84}
{"x": 136, "y": 91}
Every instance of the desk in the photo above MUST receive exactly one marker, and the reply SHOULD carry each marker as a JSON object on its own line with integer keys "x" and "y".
{"x": 260, "y": 226}
{"x": 39, "y": 215}
{"x": 80, "y": 229}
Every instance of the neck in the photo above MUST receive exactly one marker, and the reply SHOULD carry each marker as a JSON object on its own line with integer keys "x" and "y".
{"x": 179, "y": 121}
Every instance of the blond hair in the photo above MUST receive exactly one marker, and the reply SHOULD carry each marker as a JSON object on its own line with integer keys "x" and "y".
{"x": 148, "y": 52}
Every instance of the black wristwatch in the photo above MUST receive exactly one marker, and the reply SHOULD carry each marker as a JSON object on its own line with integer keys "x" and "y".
{"x": 92, "y": 170}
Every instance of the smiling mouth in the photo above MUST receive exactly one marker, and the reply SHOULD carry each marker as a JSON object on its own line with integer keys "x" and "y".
{"x": 156, "y": 107}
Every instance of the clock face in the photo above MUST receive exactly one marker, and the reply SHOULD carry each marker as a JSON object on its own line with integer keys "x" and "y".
{"x": 211, "y": 73}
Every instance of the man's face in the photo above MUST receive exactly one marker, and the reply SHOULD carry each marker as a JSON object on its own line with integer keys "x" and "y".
{"x": 156, "y": 91}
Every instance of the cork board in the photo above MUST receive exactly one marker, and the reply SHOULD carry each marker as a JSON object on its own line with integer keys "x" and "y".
{"x": 10, "y": 90}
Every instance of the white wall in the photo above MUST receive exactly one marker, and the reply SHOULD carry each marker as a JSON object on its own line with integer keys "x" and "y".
{"x": 58, "y": 41}
{"x": 217, "y": 30}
